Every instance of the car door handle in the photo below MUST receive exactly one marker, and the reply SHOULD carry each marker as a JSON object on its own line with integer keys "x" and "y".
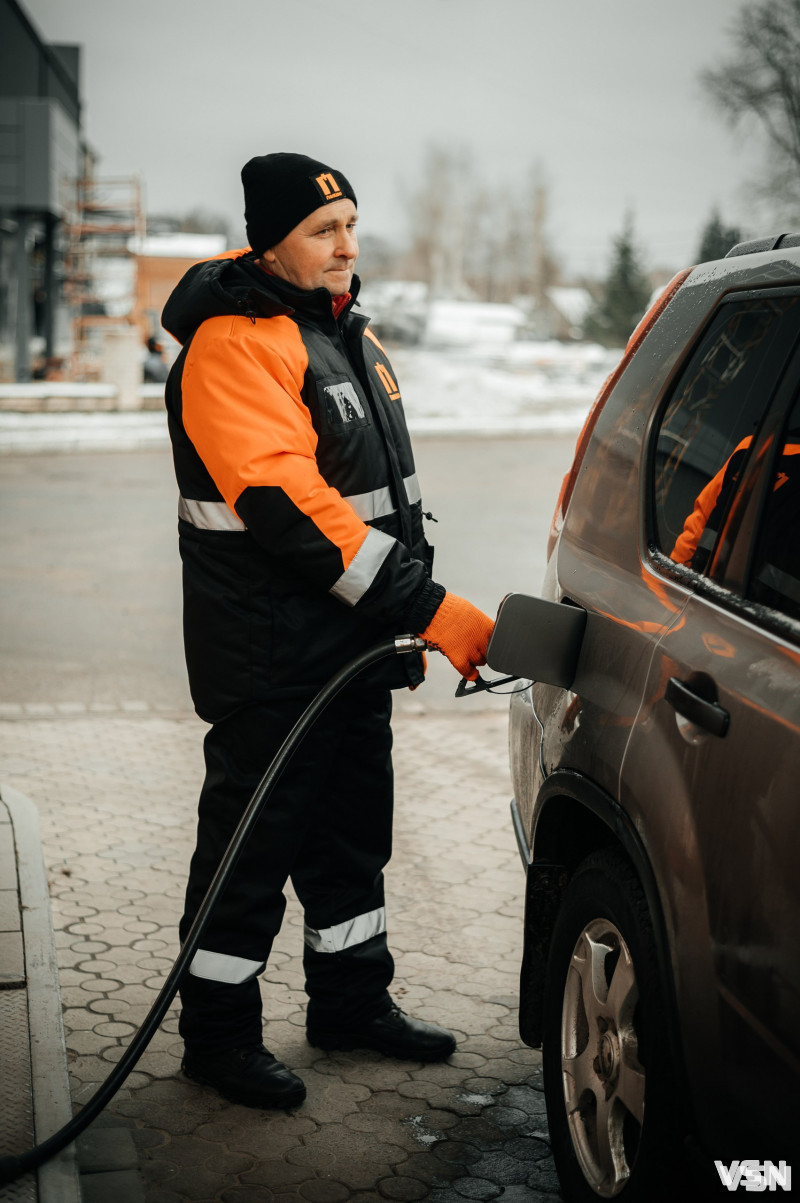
{"x": 709, "y": 715}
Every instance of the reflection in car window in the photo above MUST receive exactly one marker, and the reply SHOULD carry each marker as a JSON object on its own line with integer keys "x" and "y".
{"x": 775, "y": 576}
{"x": 709, "y": 423}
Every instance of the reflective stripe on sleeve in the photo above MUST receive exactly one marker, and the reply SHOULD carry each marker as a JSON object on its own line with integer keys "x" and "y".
{"x": 221, "y": 967}
{"x": 209, "y": 515}
{"x": 347, "y": 934}
{"x": 363, "y": 568}
{"x": 376, "y": 504}
{"x": 379, "y": 504}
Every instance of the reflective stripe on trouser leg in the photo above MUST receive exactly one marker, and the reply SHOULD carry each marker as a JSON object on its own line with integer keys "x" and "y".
{"x": 220, "y": 995}
{"x": 348, "y": 971}
{"x": 347, "y": 934}
{"x": 327, "y": 823}
{"x": 338, "y": 876}
{"x": 221, "y": 967}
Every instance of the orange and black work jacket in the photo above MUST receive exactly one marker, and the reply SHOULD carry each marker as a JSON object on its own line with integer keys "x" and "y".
{"x": 776, "y": 579}
{"x": 300, "y": 517}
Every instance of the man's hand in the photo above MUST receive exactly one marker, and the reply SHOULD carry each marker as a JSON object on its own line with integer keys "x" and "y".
{"x": 461, "y": 631}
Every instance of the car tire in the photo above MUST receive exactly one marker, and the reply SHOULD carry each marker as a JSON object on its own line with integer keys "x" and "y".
{"x": 605, "y": 1040}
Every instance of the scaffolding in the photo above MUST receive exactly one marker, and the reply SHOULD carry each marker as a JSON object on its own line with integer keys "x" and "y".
{"x": 100, "y": 264}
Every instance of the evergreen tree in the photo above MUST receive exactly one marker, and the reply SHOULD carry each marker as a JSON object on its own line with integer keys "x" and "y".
{"x": 624, "y": 295}
{"x": 716, "y": 239}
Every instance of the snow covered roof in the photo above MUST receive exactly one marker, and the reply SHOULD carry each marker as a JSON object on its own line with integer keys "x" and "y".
{"x": 572, "y": 303}
{"x": 179, "y": 246}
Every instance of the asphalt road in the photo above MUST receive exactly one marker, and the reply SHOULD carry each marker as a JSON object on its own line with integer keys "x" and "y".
{"x": 90, "y": 607}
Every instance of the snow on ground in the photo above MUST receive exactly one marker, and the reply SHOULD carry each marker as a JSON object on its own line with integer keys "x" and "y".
{"x": 519, "y": 388}
{"x": 107, "y": 431}
{"x": 525, "y": 387}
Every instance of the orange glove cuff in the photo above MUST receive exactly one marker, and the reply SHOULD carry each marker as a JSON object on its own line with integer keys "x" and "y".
{"x": 462, "y": 632}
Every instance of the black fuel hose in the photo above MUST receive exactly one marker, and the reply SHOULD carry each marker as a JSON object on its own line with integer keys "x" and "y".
{"x": 14, "y": 1166}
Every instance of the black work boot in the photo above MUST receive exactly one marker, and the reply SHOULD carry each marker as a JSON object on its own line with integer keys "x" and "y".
{"x": 393, "y": 1033}
{"x": 249, "y": 1076}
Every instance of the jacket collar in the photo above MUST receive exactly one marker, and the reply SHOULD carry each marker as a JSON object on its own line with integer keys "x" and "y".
{"x": 238, "y": 285}
{"x": 314, "y": 304}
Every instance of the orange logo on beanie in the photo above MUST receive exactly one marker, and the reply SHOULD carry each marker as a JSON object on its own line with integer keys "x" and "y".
{"x": 328, "y": 187}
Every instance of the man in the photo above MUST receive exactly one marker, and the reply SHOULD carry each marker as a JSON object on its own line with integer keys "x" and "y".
{"x": 300, "y": 525}
{"x": 154, "y": 368}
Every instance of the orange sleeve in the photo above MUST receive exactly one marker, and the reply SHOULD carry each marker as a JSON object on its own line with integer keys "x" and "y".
{"x": 695, "y": 524}
{"x": 243, "y": 411}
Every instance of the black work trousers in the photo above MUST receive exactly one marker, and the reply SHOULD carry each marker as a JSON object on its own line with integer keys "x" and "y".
{"x": 328, "y": 827}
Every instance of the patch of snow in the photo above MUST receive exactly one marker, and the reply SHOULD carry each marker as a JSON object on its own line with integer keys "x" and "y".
{"x": 523, "y": 388}
{"x": 423, "y": 1137}
{"x": 526, "y": 387}
{"x": 476, "y": 1100}
{"x": 107, "y": 431}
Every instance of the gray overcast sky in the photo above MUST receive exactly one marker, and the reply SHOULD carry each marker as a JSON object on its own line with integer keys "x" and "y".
{"x": 602, "y": 94}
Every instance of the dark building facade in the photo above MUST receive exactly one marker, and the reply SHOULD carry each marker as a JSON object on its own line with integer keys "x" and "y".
{"x": 41, "y": 159}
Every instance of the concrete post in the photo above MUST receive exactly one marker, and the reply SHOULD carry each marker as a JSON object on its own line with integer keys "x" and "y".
{"x": 23, "y": 339}
{"x": 122, "y": 364}
{"x": 49, "y": 284}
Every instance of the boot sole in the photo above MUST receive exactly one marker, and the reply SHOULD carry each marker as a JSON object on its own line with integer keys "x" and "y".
{"x": 283, "y": 1102}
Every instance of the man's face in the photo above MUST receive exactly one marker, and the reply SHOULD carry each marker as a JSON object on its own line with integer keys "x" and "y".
{"x": 321, "y": 251}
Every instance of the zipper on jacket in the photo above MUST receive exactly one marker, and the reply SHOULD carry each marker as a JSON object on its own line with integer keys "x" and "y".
{"x": 356, "y": 358}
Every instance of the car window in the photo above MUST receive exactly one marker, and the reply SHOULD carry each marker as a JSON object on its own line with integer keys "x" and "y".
{"x": 709, "y": 423}
{"x": 775, "y": 575}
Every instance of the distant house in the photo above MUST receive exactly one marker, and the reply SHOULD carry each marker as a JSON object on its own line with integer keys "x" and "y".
{"x": 560, "y": 315}
{"x": 402, "y": 312}
{"x": 161, "y": 260}
{"x": 567, "y": 310}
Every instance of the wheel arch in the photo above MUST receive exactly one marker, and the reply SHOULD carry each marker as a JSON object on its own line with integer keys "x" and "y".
{"x": 575, "y": 816}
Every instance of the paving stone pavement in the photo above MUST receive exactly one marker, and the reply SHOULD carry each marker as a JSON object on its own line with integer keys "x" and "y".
{"x": 117, "y": 797}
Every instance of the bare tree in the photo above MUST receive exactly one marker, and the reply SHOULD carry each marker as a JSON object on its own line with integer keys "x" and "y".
{"x": 762, "y": 81}
{"x": 472, "y": 240}
{"x": 438, "y": 213}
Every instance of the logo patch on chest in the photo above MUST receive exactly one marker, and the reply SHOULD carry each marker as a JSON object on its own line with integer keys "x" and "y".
{"x": 388, "y": 382}
{"x": 342, "y": 403}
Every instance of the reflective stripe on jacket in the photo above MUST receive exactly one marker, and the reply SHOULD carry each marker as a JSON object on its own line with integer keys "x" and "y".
{"x": 300, "y": 514}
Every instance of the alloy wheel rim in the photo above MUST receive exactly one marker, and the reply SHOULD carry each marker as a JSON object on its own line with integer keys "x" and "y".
{"x": 602, "y": 1077}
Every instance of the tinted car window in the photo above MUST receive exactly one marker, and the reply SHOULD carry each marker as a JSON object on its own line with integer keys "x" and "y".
{"x": 708, "y": 425}
{"x": 775, "y": 577}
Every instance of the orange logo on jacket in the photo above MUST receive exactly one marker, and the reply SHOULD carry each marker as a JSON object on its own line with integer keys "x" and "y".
{"x": 387, "y": 381}
{"x": 328, "y": 186}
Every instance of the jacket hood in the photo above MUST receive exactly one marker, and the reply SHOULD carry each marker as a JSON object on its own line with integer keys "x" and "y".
{"x": 214, "y": 288}
{"x": 236, "y": 286}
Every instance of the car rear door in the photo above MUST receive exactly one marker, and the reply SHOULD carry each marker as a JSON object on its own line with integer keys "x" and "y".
{"x": 712, "y": 760}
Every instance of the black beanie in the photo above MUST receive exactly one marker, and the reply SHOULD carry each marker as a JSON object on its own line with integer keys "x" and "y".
{"x": 281, "y": 189}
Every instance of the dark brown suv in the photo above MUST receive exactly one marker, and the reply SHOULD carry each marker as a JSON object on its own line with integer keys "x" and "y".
{"x": 657, "y": 800}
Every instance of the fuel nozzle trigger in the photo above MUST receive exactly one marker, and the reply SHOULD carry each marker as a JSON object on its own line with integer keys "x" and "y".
{"x": 466, "y": 688}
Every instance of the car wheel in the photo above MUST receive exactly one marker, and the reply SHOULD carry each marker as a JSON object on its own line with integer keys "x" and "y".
{"x": 605, "y": 1043}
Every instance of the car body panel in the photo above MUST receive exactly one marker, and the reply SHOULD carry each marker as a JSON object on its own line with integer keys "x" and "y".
{"x": 734, "y": 906}
{"x": 732, "y": 964}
